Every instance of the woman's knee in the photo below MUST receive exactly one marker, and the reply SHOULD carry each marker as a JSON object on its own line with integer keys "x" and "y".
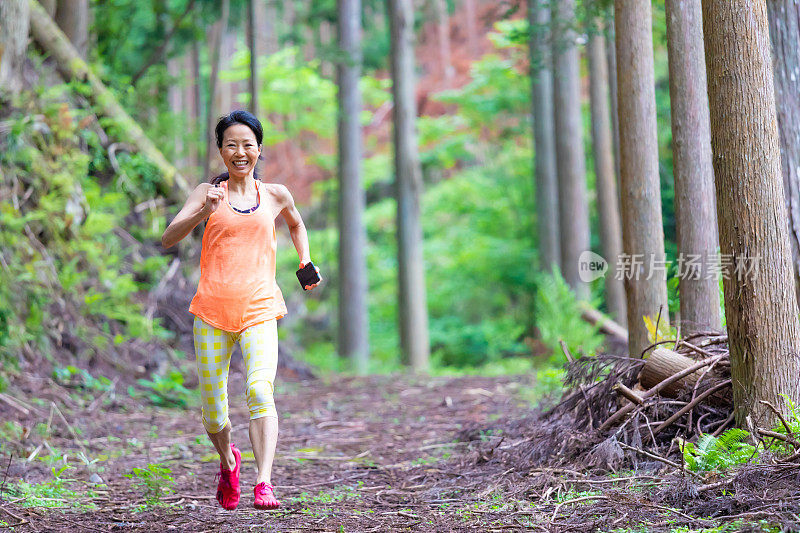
{"x": 260, "y": 398}
{"x": 215, "y": 418}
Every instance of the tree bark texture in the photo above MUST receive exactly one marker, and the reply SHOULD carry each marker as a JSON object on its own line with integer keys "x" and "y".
{"x": 353, "y": 311}
{"x": 443, "y": 33}
{"x": 472, "y": 26}
{"x": 611, "y": 60}
{"x": 217, "y": 37}
{"x": 761, "y": 309}
{"x": 695, "y": 205}
{"x": 605, "y": 180}
{"x": 53, "y": 40}
{"x": 642, "y": 230}
{"x": 412, "y": 308}
{"x": 570, "y": 163}
{"x": 252, "y": 40}
{"x": 784, "y": 29}
{"x": 14, "y": 17}
{"x": 544, "y": 137}
{"x": 72, "y": 16}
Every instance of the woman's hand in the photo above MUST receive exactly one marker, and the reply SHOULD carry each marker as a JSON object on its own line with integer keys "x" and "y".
{"x": 213, "y": 198}
{"x": 309, "y": 287}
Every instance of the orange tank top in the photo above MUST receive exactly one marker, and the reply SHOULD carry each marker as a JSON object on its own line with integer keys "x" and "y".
{"x": 237, "y": 287}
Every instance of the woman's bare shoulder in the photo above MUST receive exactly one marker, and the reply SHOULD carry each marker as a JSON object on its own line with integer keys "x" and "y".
{"x": 278, "y": 191}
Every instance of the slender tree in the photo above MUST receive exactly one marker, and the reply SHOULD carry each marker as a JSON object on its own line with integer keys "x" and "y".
{"x": 412, "y": 307}
{"x": 443, "y": 33}
{"x": 695, "y": 205}
{"x": 14, "y": 17}
{"x": 353, "y": 312}
{"x": 175, "y": 96}
{"x": 252, "y": 41}
{"x": 611, "y": 61}
{"x": 642, "y": 231}
{"x": 72, "y": 16}
{"x": 571, "y": 168}
{"x": 784, "y": 29}
{"x": 472, "y": 26}
{"x": 217, "y": 37}
{"x": 544, "y": 136}
{"x": 605, "y": 179}
{"x": 760, "y": 309}
{"x": 190, "y": 106}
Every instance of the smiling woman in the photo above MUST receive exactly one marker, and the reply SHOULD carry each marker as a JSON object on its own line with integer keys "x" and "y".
{"x": 237, "y": 298}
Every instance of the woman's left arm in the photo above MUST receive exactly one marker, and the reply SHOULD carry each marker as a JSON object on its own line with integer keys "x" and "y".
{"x": 297, "y": 229}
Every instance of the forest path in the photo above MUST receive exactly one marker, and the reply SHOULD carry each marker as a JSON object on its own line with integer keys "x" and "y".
{"x": 382, "y": 453}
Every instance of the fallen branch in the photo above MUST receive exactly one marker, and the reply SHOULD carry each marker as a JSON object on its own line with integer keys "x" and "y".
{"x": 691, "y": 405}
{"x": 613, "y": 419}
{"x": 658, "y": 458}
{"x": 779, "y": 436}
{"x": 622, "y": 390}
{"x": 605, "y": 324}
{"x": 576, "y": 500}
{"x": 52, "y": 39}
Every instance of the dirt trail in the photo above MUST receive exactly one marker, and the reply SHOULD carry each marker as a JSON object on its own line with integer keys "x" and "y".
{"x": 354, "y": 454}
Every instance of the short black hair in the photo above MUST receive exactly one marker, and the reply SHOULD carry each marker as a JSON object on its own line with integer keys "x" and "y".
{"x": 239, "y": 117}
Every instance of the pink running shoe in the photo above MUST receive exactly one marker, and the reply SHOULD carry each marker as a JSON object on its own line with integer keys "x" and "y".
{"x": 228, "y": 491}
{"x": 265, "y": 497}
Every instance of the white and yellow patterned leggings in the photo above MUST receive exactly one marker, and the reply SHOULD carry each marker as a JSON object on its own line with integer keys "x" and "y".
{"x": 213, "y": 347}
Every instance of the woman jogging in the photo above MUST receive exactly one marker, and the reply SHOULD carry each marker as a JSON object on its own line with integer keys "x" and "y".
{"x": 237, "y": 298}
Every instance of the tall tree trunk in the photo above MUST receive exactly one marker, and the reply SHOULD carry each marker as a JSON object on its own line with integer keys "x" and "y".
{"x": 218, "y": 32}
{"x": 175, "y": 100}
{"x": 72, "y": 16}
{"x": 190, "y": 108}
{"x": 14, "y": 17}
{"x": 269, "y": 29}
{"x": 605, "y": 180}
{"x": 642, "y": 230}
{"x": 611, "y": 61}
{"x": 695, "y": 206}
{"x": 544, "y": 136}
{"x": 443, "y": 33}
{"x": 254, "y": 53}
{"x": 412, "y": 308}
{"x": 327, "y": 68}
{"x": 353, "y": 312}
{"x": 784, "y": 29}
{"x": 761, "y": 309}
{"x": 472, "y": 26}
{"x": 570, "y": 163}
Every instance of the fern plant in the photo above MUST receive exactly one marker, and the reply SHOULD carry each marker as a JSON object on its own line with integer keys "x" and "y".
{"x": 717, "y": 454}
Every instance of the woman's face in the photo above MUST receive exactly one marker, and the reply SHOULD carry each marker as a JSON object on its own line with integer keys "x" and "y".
{"x": 239, "y": 150}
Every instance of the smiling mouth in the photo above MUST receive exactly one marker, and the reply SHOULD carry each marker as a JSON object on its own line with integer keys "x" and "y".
{"x": 241, "y": 164}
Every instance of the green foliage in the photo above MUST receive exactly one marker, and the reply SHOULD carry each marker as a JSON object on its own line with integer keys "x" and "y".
{"x": 167, "y": 391}
{"x": 66, "y": 263}
{"x": 718, "y": 454}
{"x": 155, "y": 480}
{"x": 558, "y": 318}
{"x": 57, "y": 492}
{"x": 73, "y": 377}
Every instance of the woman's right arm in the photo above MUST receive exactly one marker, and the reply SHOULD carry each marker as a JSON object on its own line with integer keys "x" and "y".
{"x": 203, "y": 201}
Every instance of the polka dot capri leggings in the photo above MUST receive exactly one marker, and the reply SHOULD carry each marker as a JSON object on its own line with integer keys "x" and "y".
{"x": 213, "y": 347}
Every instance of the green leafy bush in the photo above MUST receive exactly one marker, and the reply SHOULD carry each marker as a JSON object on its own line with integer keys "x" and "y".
{"x": 558, "y": 317}
{"x": 155, "y": 480}
{"x": 718, "y": 454}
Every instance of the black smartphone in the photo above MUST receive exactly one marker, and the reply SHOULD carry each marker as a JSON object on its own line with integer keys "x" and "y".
{"x": 307, "y": 275}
